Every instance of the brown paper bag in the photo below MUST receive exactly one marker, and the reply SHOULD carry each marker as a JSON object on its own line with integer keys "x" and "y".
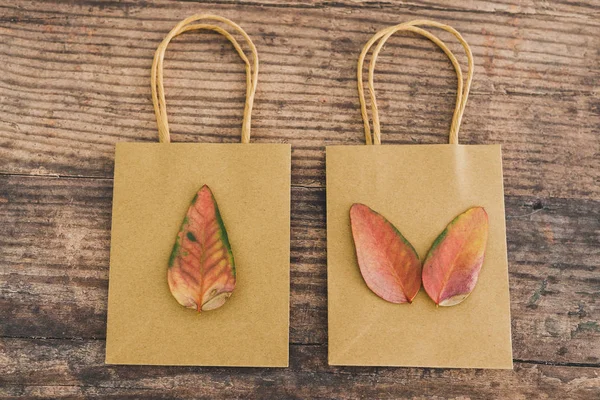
{"x": 420, "y": 189}
{"x": 154, "y": 184}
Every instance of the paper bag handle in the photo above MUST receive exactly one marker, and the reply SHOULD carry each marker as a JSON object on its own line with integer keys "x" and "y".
{"x": 158, "y": 90}
{"x": 462, "y": 92}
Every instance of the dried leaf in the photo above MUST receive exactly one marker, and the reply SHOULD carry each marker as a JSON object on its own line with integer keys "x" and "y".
{"x": 201, "y": 270}
{"x": 388, "y": 263}
{"x": 452, "y": 266}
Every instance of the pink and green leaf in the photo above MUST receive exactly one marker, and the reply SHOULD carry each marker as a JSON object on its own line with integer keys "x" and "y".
{"x": 388, "y": 263}
{"x": 201, "y": 271}
{"x": 452, "y": 266}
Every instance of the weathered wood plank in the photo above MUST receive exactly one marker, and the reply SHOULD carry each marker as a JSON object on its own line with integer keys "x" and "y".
{"x": 582, "y": 10}
{"x": 33, "y": 367}
{"x": 54, "y": 248}
{"x": 75, "y": 81}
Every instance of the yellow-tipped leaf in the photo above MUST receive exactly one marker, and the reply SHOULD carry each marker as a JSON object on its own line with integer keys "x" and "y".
{"x": 452, "y": 266}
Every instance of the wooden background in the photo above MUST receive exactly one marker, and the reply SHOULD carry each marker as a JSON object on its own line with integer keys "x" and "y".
{"x": 74, "y": 80}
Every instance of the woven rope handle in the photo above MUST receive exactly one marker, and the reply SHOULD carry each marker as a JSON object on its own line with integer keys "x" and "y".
{"x": 383, "y": 35}
{"x": 156, "y": 79}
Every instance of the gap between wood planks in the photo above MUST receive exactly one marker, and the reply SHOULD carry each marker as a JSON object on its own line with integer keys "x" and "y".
{"x": 103, "y": 178}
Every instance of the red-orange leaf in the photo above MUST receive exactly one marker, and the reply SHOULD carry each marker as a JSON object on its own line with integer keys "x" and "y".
{"x": 388, "y": 263}
{"x": 201, "y": 270}
{"x": 451, "y": 268}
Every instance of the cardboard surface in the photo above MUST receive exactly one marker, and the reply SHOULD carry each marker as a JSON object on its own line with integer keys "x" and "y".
{"x": 154, "y": 184}
{"x": 420, "y": 189}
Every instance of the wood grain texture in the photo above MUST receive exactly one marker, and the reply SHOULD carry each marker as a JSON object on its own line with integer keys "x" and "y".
{"x": 74, "y": 80}
{"x": 36, "y": 366}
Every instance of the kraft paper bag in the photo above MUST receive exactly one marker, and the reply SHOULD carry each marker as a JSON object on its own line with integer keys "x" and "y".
{"x": 153, "y": 187}
{"x": 419, "y": 189}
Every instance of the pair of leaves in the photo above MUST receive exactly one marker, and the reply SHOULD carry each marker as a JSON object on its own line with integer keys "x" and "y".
{"x": 201, "y": 271}
{"x": 391, "y": 267}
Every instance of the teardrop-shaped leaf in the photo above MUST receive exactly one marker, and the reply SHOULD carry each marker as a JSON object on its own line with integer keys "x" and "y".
{"x": 452, "y": 266}
{"x": 201, "y": 270}
{"x": 388, "y": 263}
